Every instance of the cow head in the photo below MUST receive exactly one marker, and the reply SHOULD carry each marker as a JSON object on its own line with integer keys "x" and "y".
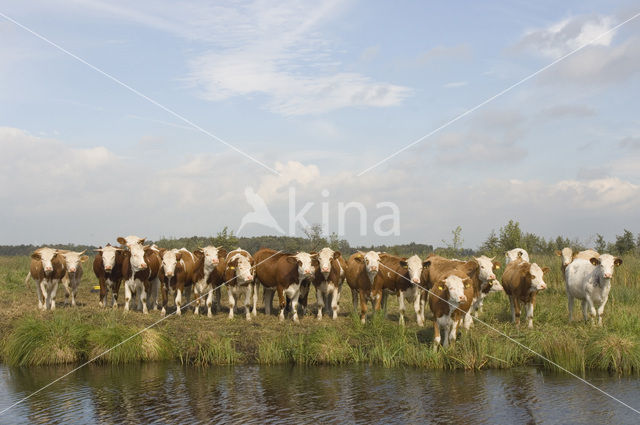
{"x": 46, "y": 256}
{"x": 536, "y": 275}
{"x": 131, "y": 240}
{"x": 486, "y": 267}
{"x": 212, "y": 256}
{"x": 455, "y": 287}
{"x": 325, "y": 256}
{"x": 170, "y": 259}
{"x": 414, "y": 267}
{"x": 515, "y": 254}
{"x": 240, "y": 268}
{"x": 137, "y": 257}
{"x": 567, "y": 256}
{"x": 305, "y": 264}
{"x": 108, "y": 254}
{"x": 605, "y": 265}
{"x": 73, "y": 260}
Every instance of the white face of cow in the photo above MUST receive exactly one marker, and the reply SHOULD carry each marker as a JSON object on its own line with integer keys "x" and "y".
{"x": 305, "y": 268}
{"x": 514, "y": 254}
{"x": 243, "y": 269}
{"x": 131, "y": 240}
{"x": 414, "y": 267}
{"x": 537, "y": 281}
{"x": 324, "y": 258}
{"x": 109, "y": 257}
{"x": 46, "y": 257}
{"x": 455, "y": 286}
{"x": 567, "y": 256}
{"x": 169, "y": 262}
{"x": 211, "y": 258}
{"x": 372, "y": 262}
{"x": 73, "y": 260}
{"x": 486, "y": 268}
{"x": 605, "y": 265}
{"x": 137, "y": 257}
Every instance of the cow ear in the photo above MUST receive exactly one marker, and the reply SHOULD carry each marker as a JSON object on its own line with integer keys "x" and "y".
{"x": 313, "y": 253}
{"x": 198, "y": 251}
{"x": 336, "y": 254}
{"x": 595, "y": 261}
{"x": 292, "y": 260}
{"x": 98, "y": 250}
{"x": 617, "y": 261}
{"x": 222, "y": 252}
{"x": 558, "y": 252}
{"x": 496, "y": 265}
{"x": 84, "y": 258}
{"x": 519, "y": 254}
{"x": 358, "y": 258}
{"x": 142, "y": 241}
{"x": 162, "y": 251}
{"x": 121, "y": 240}
{"x": 426, "y": 263}
{"x": 403, "y": 263}
{"x": 178, "y": 256}
{"x": 35, "y": 256}
{"x": 545, "y": 270}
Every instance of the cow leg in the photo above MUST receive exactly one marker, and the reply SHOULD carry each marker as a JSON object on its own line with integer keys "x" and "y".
{"x": 143, "y": 297}
{"x": 41, "y": 300}
{"x": 165, "y": 298}
{"x": 529, "y": 309}
{"x": 513, "y": 310}
{"x": 267, "y": 300}
{"x": 468, "y": 320}
{"x": 516, "y": 307}
{"x": 320, "y": 302}
{"x": 436, "y": 334}
{"x": 46, "y": 297}
{"x": 354, "y": 299}
{"x": 592, "y": 309}
{"x": 54, "y": 289}
{"x": 115, "y": 289}
{"x": 255, "y": 288}
{"x": 416, "y": 308}
{"x": 178, "y": 299}
{"x": 247, "y": 301}
{"x": 294, "y": 305}
{"x": 153, "y": 299}
{"x": 67, "y": 291}
{"x": 401, "y": 306}
{"x": 209, "y": 302}
{"x": 335, "y": 297}
{"x": 232, "y": 301}
{"x": 570, "y": 306}
{"x": 103, "y": 293}
{"x": 282, "y": 302}
{"x": 218, "y": 298}
{"x": 196, "y": 300}
{"x": 74, "y": 292}
{"x": 127, "y": 294}
{"x": 601, "y": 310}
{"x": 585, "y": 310}
{"x": 454, "y": 331}
{"x": 385, "y": 298}
{"x": 423, "y": 301}
{"x": 447, "y": 333}
{"x": 363, "y": 307}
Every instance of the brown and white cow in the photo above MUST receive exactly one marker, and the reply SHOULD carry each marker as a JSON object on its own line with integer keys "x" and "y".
{"x": 107, "y": 266}
{"x": 521, "y": 282}
{"x": 140, "y": 270}
{"x": 328, "y": 280}
{"x": 210, "y": 278}
{"x": 568, "y": 256}
{"x": 71, "y": 281}
{"x": 239, "y": 278}
{"x": 485, "y": 283}
{"x": 362, "y": 269}
{"x": 449, "y": 300}
{"x": 179, "y": 270}
{"x": 284, "y": 273}
{"x": 47, "y": 269}
{"x": 401, "y": 276}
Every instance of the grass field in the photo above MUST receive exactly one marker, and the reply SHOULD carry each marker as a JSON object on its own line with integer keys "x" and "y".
{"x": 67, "y": 335}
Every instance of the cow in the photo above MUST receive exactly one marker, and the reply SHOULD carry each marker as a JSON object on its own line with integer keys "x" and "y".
{"x": 284, "y": 273}
{"x": 179, "y": 270}
{"x": 47, "y": 269}
{"x": 107, "y": 266}
{"x": 210, "y": 278}
{"x": 449, "y": 300}
{"x": 71, "y": 280}
{"x": 521, "y": 282}
{"x": 328, "y": 280}
{"x": 401, "y": 276}
{"x": 485, "y": 284}
{"x": 568, "y": 256}
{"x": 362, "y": 269}
{"x": 239, "y": 277}
{"x": 514, "y": 254}
{"x": 590, "y": 282}
{"x": 140, "y": 271}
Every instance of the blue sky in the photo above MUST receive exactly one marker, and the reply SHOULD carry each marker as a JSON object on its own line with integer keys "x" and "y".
{"x": 319, "y": 92}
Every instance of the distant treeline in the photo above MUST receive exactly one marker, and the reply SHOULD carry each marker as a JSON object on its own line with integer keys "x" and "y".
{"x": 508, "y": 237}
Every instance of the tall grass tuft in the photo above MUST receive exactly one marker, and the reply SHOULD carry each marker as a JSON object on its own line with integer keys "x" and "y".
{"x": 614, "y": 353}
{"x": 210, "y": 349}
{"x": 149, "y": 345}
{"x": 34, "y": 341}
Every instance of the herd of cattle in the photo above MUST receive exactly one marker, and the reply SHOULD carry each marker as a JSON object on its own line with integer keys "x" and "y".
{"x": 454, "y": 289}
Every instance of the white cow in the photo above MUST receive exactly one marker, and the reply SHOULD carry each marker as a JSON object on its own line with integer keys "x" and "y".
{"x": 210, "y": 279}
{"x": 328, "y": 282}
{"x": 568, "y": 256}
{"x": 71, "y": 281}
{"x": 514, "y": 254}
{"x": 590, "y": 282}
{"x": 415, "y": 292}
{"x": 240, "y": 281}
{"x": 47, "y": 269}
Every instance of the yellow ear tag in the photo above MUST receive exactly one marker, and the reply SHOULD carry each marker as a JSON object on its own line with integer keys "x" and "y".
{"x": 440, "y": 288}
{"x": 232, "y": 268}
{"x": 497, "y": 267}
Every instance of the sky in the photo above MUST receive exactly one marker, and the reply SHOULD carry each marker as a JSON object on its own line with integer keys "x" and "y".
{"x": 178, "y": 109}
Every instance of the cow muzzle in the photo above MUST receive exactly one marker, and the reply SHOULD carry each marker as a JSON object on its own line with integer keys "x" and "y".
{"x": 415, "y": 280}
{"x": 107, "y": 268}
{"x": 462, "y": 299}
{"x": 608, "y": 275}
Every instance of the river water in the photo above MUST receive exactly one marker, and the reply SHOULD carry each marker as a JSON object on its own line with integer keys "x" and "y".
{"x": 172, "y": 393}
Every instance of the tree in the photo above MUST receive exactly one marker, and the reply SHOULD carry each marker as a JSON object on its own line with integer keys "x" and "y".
{"x": 226, "y": 239}
{"x": 625, "y": 243}
{"x": 511, "y": 236}
{"x": 315, "y": 240}
{"x": 600, "y": 244}
{"x": 492, "y": 244}
{"x": 455, "y": 247}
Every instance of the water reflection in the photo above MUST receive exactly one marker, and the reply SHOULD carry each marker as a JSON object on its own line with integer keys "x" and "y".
{"x": 170, "y": 393}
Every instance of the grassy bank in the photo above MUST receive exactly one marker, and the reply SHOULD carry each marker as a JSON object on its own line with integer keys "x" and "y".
{"x": 31, "y": 337}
